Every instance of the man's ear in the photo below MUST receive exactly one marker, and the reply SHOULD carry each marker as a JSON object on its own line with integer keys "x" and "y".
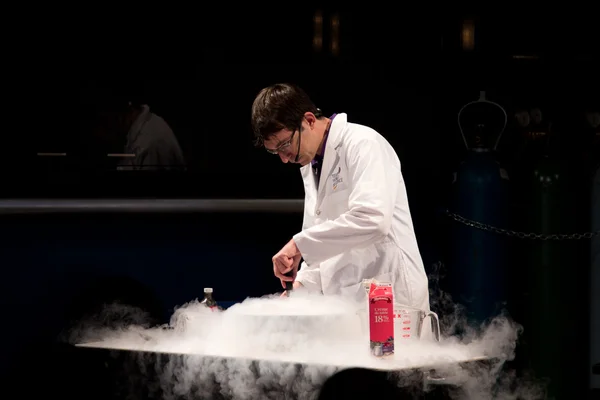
{"x": 310, "y": 119}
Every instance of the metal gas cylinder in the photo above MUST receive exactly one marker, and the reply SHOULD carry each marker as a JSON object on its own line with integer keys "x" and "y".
{"x": 553, "y": 267}
{"x": 593, "y": 119}
{"x": 595, "y": 284}
{"x": 479, "y": 197}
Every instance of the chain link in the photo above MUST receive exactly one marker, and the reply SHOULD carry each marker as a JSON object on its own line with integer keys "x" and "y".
{"x": 522, "y": 235}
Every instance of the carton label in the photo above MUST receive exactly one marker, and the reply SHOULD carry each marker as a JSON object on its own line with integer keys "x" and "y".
{"x": 381, "y": 318}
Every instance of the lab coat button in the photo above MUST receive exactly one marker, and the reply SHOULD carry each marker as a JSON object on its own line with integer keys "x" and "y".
{"x": 318, "y": 212}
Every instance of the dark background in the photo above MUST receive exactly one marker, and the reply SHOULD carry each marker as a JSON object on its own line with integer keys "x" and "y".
{"x": 404, "y": 73}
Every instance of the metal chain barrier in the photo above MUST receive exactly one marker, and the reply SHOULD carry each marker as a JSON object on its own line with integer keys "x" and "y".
{"x": 522, "y": 235}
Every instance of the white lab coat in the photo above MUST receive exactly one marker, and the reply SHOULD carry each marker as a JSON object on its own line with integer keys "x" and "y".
{"x": 152, "y": 144}
{"x": 357, "y": 223}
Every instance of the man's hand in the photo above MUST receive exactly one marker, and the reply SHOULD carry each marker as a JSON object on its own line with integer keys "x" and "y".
{"x": 286, "y": 260}
{"x": 297, "y": 285}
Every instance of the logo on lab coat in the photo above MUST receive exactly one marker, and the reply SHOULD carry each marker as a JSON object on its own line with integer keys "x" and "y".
{"x": 336, "y": 178}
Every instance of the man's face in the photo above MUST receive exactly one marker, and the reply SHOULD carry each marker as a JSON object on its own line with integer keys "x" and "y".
{"x": 285, "y": 144}
{"x": 288, "y": 144}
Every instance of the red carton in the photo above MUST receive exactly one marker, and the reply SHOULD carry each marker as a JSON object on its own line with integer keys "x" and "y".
{"x": 381, "y": 319}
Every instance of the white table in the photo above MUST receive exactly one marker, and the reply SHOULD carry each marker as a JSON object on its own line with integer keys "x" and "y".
{"x": 247, "y": 371}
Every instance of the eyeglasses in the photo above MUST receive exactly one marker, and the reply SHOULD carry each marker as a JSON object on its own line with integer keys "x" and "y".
{"x": 283, "y": 145}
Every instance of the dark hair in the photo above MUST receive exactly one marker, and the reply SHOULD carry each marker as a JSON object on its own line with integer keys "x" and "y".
{"x": 277, "y": 107}
{"x": 99, "y": 97}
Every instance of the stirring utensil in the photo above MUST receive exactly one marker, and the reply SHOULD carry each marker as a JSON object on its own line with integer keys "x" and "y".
{"x": 289, "y": 285}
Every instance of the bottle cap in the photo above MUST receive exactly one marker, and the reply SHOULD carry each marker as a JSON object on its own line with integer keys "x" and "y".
{"x": 208, "y": 290}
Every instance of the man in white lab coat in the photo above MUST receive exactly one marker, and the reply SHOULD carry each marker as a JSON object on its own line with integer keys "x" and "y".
{"x": 357, "y": 223}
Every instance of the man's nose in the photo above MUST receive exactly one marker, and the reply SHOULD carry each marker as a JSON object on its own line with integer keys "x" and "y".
{"x": 284, "y": 157}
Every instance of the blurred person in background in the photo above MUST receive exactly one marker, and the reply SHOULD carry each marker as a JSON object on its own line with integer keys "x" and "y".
{"x": 141, "y": 139}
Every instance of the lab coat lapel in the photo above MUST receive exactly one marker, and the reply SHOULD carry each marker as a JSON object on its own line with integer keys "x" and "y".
{"x": 331, "y": 158}
{"x": 310, "y": 186}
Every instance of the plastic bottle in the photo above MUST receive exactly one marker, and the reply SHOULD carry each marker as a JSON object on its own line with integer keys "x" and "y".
{"x": 209, "y": 300}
